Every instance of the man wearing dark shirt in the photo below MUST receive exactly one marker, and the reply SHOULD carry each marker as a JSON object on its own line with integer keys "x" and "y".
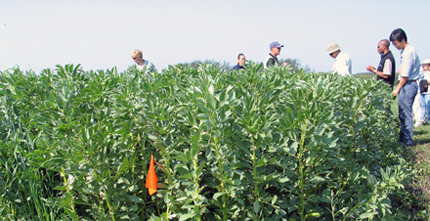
{"x": 275, "y": 50}
{"x": 387, "y": 66}
{"x": 240, "y": 62}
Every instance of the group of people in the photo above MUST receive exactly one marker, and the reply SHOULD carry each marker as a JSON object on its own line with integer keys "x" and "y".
{"x": 413, "y": 96}
{"x": 411, "y": 89}
{"x": 271, "y": 59}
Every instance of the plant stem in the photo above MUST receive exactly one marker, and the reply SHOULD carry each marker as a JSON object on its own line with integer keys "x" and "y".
{"x": 66, "y": 184}
{"x": 196, "y": 180}
{"x": 301, "y": 173}
{"x": 108, "y": 204}
{"x": 221, "y": 169}
{"x": 254, "y": 172}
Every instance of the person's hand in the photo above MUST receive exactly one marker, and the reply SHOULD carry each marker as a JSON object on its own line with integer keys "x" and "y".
{"x": 285, "y": 64}
{"x": 395, "y": 92}
{"x": 371, "y": 68}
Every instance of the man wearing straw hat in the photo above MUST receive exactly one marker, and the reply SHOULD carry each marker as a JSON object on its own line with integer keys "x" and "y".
{"x": 342, "y": 64}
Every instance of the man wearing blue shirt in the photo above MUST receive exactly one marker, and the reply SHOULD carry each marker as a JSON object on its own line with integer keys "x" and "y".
{"x": 407, "y": 87}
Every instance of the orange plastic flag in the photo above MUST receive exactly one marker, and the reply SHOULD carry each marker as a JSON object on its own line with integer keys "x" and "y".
{"x": 151, "y": 179}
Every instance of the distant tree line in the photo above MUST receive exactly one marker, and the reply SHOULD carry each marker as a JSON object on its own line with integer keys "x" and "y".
{"x": 196, "y": 64}
{"x": 224, "y": 65}
{"x": 296, "y": 65}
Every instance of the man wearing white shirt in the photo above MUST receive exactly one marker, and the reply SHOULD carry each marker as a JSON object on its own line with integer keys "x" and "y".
{"x": 409, "y": 73}
{"x": 342, "y": 64}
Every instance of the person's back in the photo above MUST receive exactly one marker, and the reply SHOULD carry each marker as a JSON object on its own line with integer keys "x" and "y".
{"x": 342, "y": 64}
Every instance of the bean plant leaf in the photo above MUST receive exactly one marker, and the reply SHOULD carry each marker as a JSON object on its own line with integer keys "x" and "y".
{"x": 256, "y": 207}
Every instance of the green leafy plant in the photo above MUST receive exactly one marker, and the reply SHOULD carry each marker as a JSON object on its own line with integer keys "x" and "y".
{"x": 271, "y": 144}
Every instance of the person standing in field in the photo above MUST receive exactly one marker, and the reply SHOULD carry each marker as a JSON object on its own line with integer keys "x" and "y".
{"x": 342, "y": 64}
{"x": 407, "y": 87}
{"x": 271, "y": 59}
{"x": 387, "y": 66}
{"x": 141, "y": 64}
{"x": 425, "y": 96}
{"x": 240, "y": 62}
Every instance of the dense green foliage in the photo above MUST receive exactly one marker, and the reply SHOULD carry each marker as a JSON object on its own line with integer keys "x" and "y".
{"x": 244, "y": 145}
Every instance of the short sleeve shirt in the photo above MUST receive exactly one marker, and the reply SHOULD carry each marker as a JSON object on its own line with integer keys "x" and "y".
{"x": 387, "y": 67}
{"x": 410, "y": 63}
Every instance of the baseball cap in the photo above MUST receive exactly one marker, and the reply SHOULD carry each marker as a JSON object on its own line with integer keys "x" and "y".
{"x": 275, "y": 44}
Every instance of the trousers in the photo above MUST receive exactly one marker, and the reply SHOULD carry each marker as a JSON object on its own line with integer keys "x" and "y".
{"x": 425, "y": 106}
{"x": 405, "y": 100}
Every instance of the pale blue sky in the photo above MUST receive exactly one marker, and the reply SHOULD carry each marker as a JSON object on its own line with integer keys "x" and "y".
{"x": 102, "y": 34}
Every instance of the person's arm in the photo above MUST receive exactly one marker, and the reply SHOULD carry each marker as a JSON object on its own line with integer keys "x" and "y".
{"x": 381, "y": 74}
{"x": 388, "y": 68}
{"x": 386, "y": 73}
{"x": 402, "y": 82}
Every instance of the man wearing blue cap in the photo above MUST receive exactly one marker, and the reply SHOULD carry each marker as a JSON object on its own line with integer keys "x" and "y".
{"x": 275, "y": 50}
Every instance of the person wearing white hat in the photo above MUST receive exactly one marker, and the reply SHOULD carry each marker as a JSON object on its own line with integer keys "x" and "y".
{"x": 342, "y": 64}
{"x": 425, "y": 96}
{"x": 142, "y": 64}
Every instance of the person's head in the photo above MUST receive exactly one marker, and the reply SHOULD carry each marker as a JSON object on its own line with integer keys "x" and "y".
{"x": 426, "y": 65}
{"x": 275, "y": 48}
{"x": 399, "y": 39}
{"x": 333, "y": 49}
{"x": 383, "y": 46}
{"x": 241, "y": 59}
{"x": 137, "y": 55}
